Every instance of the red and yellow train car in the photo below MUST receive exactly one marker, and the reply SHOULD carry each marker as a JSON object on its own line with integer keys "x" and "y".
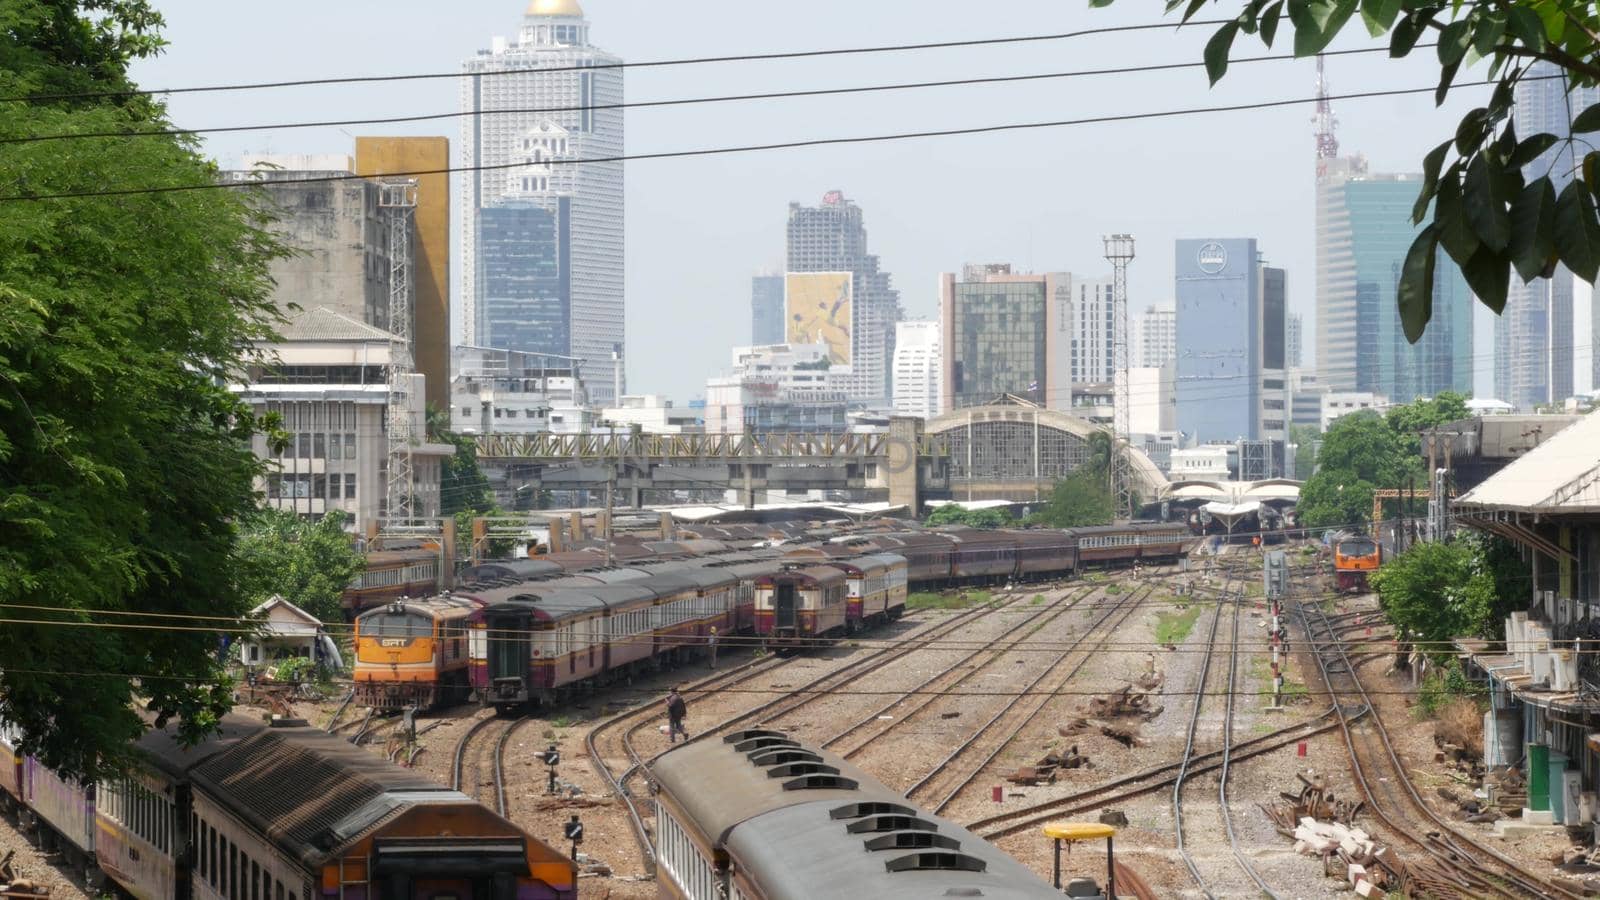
{"x": 413, "y": 653}
{"x": 1355, "y": 558}
{"x": 797, "y": 606}
{"x": 876, "y": 588}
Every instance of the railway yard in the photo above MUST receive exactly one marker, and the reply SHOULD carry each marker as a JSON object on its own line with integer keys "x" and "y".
{"x": 1138, "y": 698}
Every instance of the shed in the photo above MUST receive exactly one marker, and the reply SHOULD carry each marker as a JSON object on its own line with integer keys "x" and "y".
{"x": 286, "y": 632}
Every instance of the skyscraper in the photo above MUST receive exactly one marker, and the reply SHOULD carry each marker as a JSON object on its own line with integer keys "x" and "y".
{"x": 1004, "y": 333}
{"x": 766, "y": 310}
{"x": 1533, "y": 336}
{"x": 1293, "y": 347}
{"x": 1231, "y": 328}
{"x": 1364, "y": 231}
{"x": 832, "y": 237}
{"x": 1155, "y": 339}
{"x": 538, "y": 124}
{"x": 1094, "y": 331}
{"x": 524, "y": 293}
{"x": 917, "y": 357}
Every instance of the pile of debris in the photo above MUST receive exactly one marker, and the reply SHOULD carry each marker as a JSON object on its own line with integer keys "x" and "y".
{"x": 1313, "y": 801}
{"x": 13, "y": 885}
{"x": 1045, "y": 770}
{"x": 1322, "y": 825}
{"x": 1117, "y": 715}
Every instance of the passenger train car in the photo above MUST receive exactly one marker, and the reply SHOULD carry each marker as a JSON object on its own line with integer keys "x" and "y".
{"x": 391, "y": 574}
{"x": 758, "y": 816}
{"x": 285, "y": 812}
{"x": 1355, "y": 558}
{"x": 798, "y": 604}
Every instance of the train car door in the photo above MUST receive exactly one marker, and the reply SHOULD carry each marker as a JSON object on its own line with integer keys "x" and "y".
{"x": 509, "y": 637}
{"x": 784, "y": 597}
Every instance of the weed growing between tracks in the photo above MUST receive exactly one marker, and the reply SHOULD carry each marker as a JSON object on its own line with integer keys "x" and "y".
{"x": 1173, "y": 627}
{"x": 960, "y": 600}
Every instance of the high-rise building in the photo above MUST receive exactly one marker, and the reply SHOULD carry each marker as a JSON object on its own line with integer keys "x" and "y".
{"x": 545, "y": 100}
{"x": 1094, "y": 332}
{"x": 916, "y": 369}
{"x": 1364, "y": 232}
{"x": 1006, "y": 333}
{"x": 1534, "y": 335}
{"x": 832, "y": 237}
{"x": 766, "y": 310}
{"x": 1231, "y": 313}
{"x": 1154, "y": 342}
{"x": 430, "y": 246}
{"x": 1293, "y": 342}
{"x": 524, "y": 290}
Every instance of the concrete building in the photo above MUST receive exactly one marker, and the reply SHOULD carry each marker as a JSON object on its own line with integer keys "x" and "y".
{"x": 1154, "y": 341}
{"x": 1094, "y": 329}
{"x": 539, "y": 109}
{"x": 523, "y": 299}
{"x": 328, "y": 381}
{"x": 650, "y": 414}
{"x": 1206, "y": 463}
{"x": 498, "y": 391}
{"x": 1293, "y": 349}
{"x": 338, "y": 232}
{"x": 1305, "y": 399}
{"x": 778, "y": 387}
{"x": 832, "y": 237}
{"x": 1336, "y": 404}
{"x": 1152, "y": 400}
{"x": 766, "y": 309}
{"x": 1006, "y": 333}
{"x": 1536, "y": 345}
{"x": 1231, "y": 310}
{"x": 917, "y": 364}
{"x": 430, "y": 246}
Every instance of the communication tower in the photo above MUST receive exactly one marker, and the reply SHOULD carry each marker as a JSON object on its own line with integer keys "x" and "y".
{"x": 1324, "y": 119}
{"x": 400, "y": 198}
{"x": 1119, "y": 250}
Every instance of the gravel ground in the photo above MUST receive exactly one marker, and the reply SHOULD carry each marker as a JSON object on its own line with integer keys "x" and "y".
{"x": 31, "y": 864}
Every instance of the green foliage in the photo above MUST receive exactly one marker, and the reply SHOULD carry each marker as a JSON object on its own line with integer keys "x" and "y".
{"x": 462, "y": 484}
{"x": 957, "y": 600}
{"x": 124, "y": 458}
{"x": 1304, "y": 438}
{"x": 1434, "y": 592}
{"x": 1494, "y": 207}
{"x": 308, "y": 563}
{"x": 1334, "y": 498}
{"x": 1363, "y": 451}
{"x": 1173, "y": 627}
{"x": 1082, "y": 498}
{"x": 297, "y": 668}
{"x": 954, "y": 514}
{"x": 1443, "y": 684}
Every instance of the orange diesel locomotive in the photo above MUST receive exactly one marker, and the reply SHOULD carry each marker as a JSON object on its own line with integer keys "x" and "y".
{"x": 1354, "y": 558}
{"x": 413, "y": 653}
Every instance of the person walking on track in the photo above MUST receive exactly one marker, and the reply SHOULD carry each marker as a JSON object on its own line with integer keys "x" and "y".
{"x": 676, "y": 710}
{"x": 711, "y": 646}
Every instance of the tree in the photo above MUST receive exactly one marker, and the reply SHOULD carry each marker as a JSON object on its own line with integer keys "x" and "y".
{"x": 1082, "y": 498}
{"x": 956, "y": 514}
{"x": 1304, "y": 438}
{"x": 1409, "y": 421}
{"x": 308, "y": 563}
{"x": 462, "y": 485}
{"x": 124, "y": 459}
{"x": 1437, "y": 591}
{"x": 1495, "y": 208}
{"x": 1334, "y": 498}
{"x": 1364, "y": 451}
{"x": 1362, "y": 444}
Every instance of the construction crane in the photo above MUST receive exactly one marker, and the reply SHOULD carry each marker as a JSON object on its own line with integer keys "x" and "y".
{"x": 400, "y": 198}
{"x": 1119, "y": 250}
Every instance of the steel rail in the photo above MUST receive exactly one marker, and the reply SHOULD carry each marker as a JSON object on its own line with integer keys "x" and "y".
{"x": 1227, "y": 761}
{"x": 1188, "y": 753}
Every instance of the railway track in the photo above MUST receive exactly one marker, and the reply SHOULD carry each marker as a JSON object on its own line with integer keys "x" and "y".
{"x": 1021, "y": 713}
{"x": 1458, "y": 866}
{"x": 1223, "y": 805}
{"x": 1182, "y": 777}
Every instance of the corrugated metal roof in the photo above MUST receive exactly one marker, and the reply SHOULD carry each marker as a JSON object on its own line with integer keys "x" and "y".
{"x": 1562, "y": 474}
{"x": 323, "y": 324}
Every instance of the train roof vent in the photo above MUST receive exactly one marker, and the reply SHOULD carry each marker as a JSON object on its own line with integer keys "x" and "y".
{"x": 821, "y": 783}
{"x": 892, "y": 822}
{"x": 912, "y": 840}
{"x": 788, "y": 770}
{"x": 869, "y": 808}
{"x": 933, "y": 861}
{"x": 761, "y": 743}
{"x": 768, "y": 757}
{"x": 741, "y": 736}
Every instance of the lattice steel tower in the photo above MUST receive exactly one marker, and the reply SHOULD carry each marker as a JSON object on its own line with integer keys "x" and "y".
{"x": 1119, "y": 250}
{"x": 400, "y": 198}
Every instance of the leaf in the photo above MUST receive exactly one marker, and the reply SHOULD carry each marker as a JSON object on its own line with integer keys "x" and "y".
{"x": 1454, "y": 41}
{"x": 1416, "y": 283}
{"x": 1576, "y": 231}
{"x": 1491, "y": 28}
{"x": 1446, "y": 75}
{"x": 1489, "y": 276}
{"x": 1269, "y": 22}
{"x": 1530, "y": 148}
{"x": 1404, "y": 38}
{"x": 1525, "y": 24}
{"x": 1587, "y": 121}
{"x": 1554, "y": 18}
{"x": 1194, "y": 7}
{"x": 1217, "y": 48}
{"x": 1533, "y": 229}
{"x": 1430, "y": 181}
{"x": 1469, "y": 133}
{"x": 1485, "y": 210}
{"x": 1379, "y": 15}
{"x": 1317, "y": 22}
{"x": 1455, "y": 233}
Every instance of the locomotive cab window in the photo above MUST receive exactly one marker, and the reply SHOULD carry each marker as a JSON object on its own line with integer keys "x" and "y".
{"x": 397, "y": 625}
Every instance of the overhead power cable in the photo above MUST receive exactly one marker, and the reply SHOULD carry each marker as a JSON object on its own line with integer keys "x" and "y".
{"x": 689, "y": 101}
{"x": 646, "y": 64}
{"x": 746, "y": 148}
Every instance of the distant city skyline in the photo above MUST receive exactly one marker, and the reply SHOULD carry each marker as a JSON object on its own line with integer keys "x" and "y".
{"x": 696, "y": 228}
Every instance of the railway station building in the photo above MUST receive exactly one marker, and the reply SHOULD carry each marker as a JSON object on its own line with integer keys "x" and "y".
{"x": 1544, "y": 676}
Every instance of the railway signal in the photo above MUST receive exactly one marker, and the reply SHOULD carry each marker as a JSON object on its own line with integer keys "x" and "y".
{"x": 552, "y": 758}
{"x": 574, "y": 832}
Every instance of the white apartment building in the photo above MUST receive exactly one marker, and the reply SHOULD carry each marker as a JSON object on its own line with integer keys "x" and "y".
{"x": 1343, "y": 403}
{"x": 1204, "y": 463}
{"x": 917, "y": 361}
{"x": 1094, "y": 332}
{"x": 651, "y": 413}
{"x": 778, "y": 387}
{"x": 1154, "y": 342}
{"x": 328, "y": 380}
{"x": 512, "y": 392}
{"x": 542, "y": 120}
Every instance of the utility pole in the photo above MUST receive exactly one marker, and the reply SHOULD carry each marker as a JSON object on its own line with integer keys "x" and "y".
{"x": 400, "y": 199}
{"x": 1119, "y": 250}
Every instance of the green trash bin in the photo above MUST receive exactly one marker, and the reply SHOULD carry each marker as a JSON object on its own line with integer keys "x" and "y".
{"x": 1538, "y": 777}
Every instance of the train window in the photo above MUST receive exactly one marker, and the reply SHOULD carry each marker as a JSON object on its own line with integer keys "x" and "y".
{"x": 233, "y": 871}
{"x": 266, "y": 886}
{"x": 277, "y": 890}
{"x": 255, "y": 881}
{"x": 397, "y": 625}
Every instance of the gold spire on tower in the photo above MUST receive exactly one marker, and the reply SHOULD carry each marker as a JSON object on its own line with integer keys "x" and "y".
{"x": 564, "y": 8}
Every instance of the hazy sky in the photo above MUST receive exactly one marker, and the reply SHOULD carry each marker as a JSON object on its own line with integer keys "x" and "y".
{"x": 698, "y": 228}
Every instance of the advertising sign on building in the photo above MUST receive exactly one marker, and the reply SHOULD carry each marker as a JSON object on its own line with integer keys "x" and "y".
{"x": 818, "y": 310}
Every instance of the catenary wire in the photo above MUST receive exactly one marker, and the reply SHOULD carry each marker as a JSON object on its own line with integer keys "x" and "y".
{"x": 650, "y": 104}
{"x": 741, "y": 149}
{"x": 645, "y": 64}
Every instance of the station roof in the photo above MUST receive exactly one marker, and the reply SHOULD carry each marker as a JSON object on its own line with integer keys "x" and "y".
{"x": 1561, "y": 475}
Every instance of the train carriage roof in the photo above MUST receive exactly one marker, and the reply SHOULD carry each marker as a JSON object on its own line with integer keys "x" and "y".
{"x": 510, "y": 568}
{"x": 1042, "y": 537}
{"x": 819, "y": 574}
{"x": 578, "y": 600}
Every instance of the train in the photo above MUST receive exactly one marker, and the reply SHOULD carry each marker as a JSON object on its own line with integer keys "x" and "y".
{"x": 277, "y": 811}
{"x": 392, "y": 574}
{"x": 757, "y": 815}
{"x": 1355, "y": 558}
{"x": 541, "y": 629}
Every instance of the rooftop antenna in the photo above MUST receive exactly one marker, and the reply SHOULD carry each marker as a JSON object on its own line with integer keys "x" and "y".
{"x": 1325, "y": 120}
